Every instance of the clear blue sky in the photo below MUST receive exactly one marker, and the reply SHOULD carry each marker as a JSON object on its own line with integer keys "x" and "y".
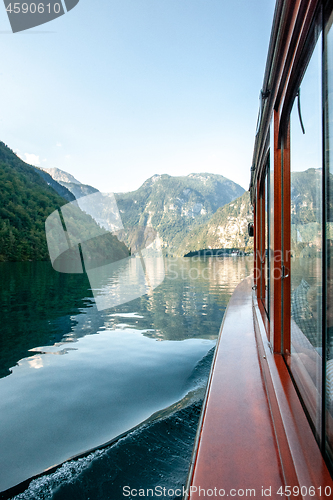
{"x": 116, "y": 91}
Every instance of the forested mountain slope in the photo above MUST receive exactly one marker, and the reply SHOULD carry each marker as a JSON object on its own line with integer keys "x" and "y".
{"x": 26, "y": 200}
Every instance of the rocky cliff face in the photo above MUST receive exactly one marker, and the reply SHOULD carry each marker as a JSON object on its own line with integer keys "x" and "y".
{"x": 227, "y": 228}
{"x": 173, "y": 206}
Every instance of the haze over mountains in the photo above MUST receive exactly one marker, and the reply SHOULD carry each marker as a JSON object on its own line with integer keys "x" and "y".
{"x": 188, "y": 212}
{"x": 173, "y": 206}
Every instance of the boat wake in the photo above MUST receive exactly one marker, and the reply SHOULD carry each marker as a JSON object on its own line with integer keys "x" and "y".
{"x": 154, "y": 454}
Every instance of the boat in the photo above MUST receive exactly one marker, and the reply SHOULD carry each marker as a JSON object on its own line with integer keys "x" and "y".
{"x": 266, "y": 426}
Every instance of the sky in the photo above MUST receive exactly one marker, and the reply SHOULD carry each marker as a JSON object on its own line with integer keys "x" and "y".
{"x": 116, "y": 91}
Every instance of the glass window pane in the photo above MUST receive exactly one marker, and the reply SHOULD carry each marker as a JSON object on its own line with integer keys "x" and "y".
{"x": 306, "y": 239}
{"x": 271, "y": 231}
{"x": 262, "y": 242}
{"x": 267, "y": 259}
{"x": 329, "y": 231}
{"x": 264, "y": 239}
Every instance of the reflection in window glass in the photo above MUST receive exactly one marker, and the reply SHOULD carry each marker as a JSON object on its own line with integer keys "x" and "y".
{"x": 267, "y": 259}
{"x": 271, "y": 231}
{"x": 262, "y": 242}
{"x": 264, "y": 239}
{"x": 329, "y": 232}
{"x": 306, "y": 240}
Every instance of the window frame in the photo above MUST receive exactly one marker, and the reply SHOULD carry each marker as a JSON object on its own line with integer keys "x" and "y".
{"x": 302, "y": 57}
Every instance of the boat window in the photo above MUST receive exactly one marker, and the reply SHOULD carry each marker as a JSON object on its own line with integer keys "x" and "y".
{"x": 261, "y": 243}
{"x": 267, "y": 235}
{"x": 306, "y": 180}
{"x": 264, "y": 239}
{"x": 328, "y": 96}
{"x": 271, "y": 232}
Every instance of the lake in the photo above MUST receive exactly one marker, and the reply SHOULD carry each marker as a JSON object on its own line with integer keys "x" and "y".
{"x": 118, "y": 389}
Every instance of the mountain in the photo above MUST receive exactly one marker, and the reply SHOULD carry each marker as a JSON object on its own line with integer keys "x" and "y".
{"x": 102, "y": 208}
{"x": 305, "y": 198}
{"x": 70, "y": 183}
{"x": 61, "y": 176}
{"x": 227, "y": 228}
{"x": 61, "y": 190}
{"x": 173, "y": 206}
{"x": 307, "y": 211}
{"x": 203, "y": 211}
{"x": 27, "y": 198}
{"x": 7, "y": 156}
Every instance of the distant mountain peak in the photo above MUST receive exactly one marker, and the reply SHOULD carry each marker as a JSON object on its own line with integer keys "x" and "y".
{"x": 155, "y": 178}
{"x": 200, "y": 176}
{"x": 204, "y": 176}
{"x": 60, "y": 175}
